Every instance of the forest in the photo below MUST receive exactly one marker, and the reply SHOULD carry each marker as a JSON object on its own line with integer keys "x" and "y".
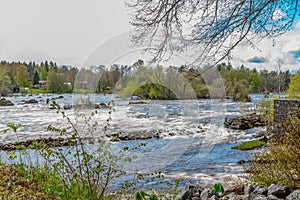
{"x": 47, "y": 77}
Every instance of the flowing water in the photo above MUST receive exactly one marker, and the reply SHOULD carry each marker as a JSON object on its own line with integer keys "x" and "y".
{"x": 193, "y": 144}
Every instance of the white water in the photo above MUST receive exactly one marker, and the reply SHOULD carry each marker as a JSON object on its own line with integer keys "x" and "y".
{"x": 194, "y": 145}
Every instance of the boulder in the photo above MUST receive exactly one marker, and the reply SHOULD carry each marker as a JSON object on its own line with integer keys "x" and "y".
{"x": 59, "y": 97}
{"x": 101, "y": 106}
{"x": 271, "y": 197}
{"x": 278, "y": 191}
{"x": 5, "y": 102}
{"x": 261, "y": 190}
{"x": 31, "y": 101}
{"x": 67, "y": 107}
{"x": 137, "y": 102}
{"x": 245, "y": 122}
{"x": 236, "y": 189}
{"x": 249, "y": 189}
{"x": 294, "y": 195}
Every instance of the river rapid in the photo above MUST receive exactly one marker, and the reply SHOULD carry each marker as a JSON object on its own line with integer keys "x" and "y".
{"x": 192, "y": 144}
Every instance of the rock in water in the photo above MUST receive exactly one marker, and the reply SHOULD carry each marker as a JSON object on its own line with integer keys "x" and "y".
{"x": 5, "y": 102}
{"x": 245, "y": 122}
{"x": 31, "y": 101}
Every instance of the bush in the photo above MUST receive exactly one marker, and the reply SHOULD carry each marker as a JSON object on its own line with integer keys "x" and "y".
{"x": 280, "y": 164}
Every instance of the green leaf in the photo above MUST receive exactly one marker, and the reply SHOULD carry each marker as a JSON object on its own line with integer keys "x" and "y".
{"x": 218, "y": 188}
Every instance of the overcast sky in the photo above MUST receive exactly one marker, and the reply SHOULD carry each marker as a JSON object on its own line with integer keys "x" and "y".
{"x": 65, "y": 31}
{"x": 75, "y": 32}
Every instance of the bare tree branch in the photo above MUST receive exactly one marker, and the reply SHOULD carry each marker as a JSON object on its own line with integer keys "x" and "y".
{"x": 211, "y": 29}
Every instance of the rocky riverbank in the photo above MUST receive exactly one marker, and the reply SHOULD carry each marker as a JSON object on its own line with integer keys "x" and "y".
{"x": 241, "y": 192}
{"x": 36, "y": 143}
{"x": 245, "y": 121}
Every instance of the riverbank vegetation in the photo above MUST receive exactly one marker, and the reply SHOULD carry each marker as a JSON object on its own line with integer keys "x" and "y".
{"x": 249, "y": 145}
{"x": 280, "y": 162}
{"x": 47, "y": 77}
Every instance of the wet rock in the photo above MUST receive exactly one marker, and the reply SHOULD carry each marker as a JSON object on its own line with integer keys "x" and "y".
{"x": 137, "y": 102}
{"x": 241, "y": 162}
{"x": 5, "y": 102}
{"x": 245, "y": 122}
{"x": 137, "y": 136}
{"x": 261, "y": 190}
{"x": 59, "y": 97}
{"x": 278, "y": 190}
{"x": 294, "y": 195}
{"x": 31, "y": 101}
{"x": 101, "y": 106}
{"x": 67, "y": 107}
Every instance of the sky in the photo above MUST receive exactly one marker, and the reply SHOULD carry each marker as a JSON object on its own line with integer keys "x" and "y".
{"x": 92, "y": 32}
{"x": 63, "y": 31}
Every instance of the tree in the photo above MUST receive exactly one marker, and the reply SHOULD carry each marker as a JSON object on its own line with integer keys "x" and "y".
{"x": 52, "y": 81}
{"x": 36, "y": 78}
{"x": 22, "y": 76}
{"x": 294, "y": 86}
{"x": 214, "y": 27}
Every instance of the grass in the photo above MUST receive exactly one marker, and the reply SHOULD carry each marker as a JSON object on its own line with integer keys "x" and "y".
{"x": 249, "y": 145}
{"x": 18, "y": 181}
{"x": 21, "y": 182}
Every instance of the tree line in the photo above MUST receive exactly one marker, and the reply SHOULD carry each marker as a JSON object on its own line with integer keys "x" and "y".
{"x": 157, "y": 82}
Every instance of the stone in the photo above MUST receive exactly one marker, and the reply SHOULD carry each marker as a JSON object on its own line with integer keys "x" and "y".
{"x": 187, "y": 195}
{"x": 59, "y": 97}
{"x": 206, "y": 193}
{"x": 241, "y": 162}
{"x": 137, "y": 102}
{"x": 245, "y": 122}
{"x": 67, "y": 107}
{"x": 260, "y": 197}
{"x": 249, "y": 189}
{"x": 31, "y": 101}
{"x": 295, "y": 195}
{"x": 236, "y": 189}
{"x": 196, "y": 194}
{"x": 278, "y": 191}
{"x": 271, "y": 197}
{"x": 103, "y": 105}
{"x": 5, "y": 102}
{"x": 214, "y": 197}
{"x": 261, "y": 190}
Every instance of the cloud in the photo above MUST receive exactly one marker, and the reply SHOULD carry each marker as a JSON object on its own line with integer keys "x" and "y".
{"x": 257, "y": 60}
{"x": 297, "y": 26}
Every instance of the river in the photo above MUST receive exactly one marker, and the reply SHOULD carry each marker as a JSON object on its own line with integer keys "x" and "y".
{"x": 193, "y": 144}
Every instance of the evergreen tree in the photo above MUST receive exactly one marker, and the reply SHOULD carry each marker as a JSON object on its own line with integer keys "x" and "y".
{"x": 36, "y": 78}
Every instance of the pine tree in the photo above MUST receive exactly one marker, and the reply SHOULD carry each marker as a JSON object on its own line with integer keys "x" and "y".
{"x": 36, "y": 78}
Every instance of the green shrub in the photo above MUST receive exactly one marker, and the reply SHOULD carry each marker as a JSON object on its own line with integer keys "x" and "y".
{"x": 280, "y": 164}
